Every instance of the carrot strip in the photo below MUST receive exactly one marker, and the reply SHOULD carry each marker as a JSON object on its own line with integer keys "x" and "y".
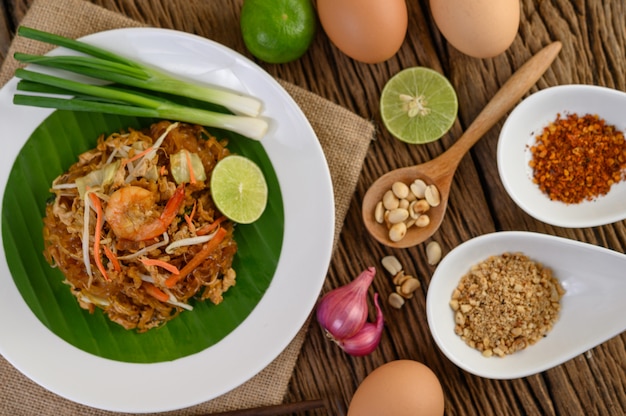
{"x": 160, "y": 263}
{"x": 112, "y": 258}
{"x": 189, "y": 218}
{"x": 98, "y": 234}
{"x": 206, "y": 229}
{"x": 162, "y": 170}
{"x": 155, "y": 292}
{"x": 138, "y": 155}
{"x": 192, "y": 176}
{"x": 197, "y": 259}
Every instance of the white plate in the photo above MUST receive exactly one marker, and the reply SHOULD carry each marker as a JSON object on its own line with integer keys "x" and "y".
{"x": 518, "y": 133}
{"x": 306, "y": 188}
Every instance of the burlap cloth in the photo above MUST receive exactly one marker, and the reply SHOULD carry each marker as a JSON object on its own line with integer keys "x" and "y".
{"x": 344, "y": 137}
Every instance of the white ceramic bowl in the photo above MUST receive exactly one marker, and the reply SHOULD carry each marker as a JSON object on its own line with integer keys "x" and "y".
{"x": 518, "y": 133}
{"x": 591, "y": 309}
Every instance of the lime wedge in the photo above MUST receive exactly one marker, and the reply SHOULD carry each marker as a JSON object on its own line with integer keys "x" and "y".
{"x": 239, "y": 189}
{"x": 418, "y": 105}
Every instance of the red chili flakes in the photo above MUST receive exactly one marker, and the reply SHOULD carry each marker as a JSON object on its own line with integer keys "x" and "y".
{"x": 578, "y": 158}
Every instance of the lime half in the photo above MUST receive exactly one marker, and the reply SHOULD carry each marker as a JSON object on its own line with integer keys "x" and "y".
{"x": 239, "y": 189}
{"x": 418, "y": 105}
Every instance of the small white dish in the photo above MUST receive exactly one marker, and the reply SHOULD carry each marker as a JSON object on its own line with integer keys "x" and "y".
{"x": 591, "y": 309}
{"x": 518, "y": 133}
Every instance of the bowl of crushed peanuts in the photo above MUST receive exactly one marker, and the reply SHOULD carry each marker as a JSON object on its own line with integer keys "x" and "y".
{"x": 511, "y": 304}
{"x": 562, "y": 155}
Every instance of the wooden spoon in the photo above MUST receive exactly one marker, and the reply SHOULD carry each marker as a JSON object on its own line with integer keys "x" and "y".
{"x": 440, "y": 170}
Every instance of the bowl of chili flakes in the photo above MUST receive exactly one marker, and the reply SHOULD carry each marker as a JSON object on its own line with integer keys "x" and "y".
{"x": 562, "y": 155}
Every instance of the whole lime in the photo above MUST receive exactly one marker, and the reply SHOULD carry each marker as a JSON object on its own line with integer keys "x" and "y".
{"x": 277, "y": 31}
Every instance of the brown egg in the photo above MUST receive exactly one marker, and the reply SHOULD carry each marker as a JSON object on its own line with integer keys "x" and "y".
{"x": 399, "y": 388}
{"x": 369, "y": 31}
{"x": 478, "y": 28}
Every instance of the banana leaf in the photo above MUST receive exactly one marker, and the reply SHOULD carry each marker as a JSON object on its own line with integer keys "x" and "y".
{"x": 51, "y": 149}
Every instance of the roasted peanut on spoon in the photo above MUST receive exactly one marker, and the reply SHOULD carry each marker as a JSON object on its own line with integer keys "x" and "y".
{"x": 404, "y": 206}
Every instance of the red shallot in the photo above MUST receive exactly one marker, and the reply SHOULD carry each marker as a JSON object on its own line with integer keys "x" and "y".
{"x": 343, "y": 313}
{"x": 367, "y": 339}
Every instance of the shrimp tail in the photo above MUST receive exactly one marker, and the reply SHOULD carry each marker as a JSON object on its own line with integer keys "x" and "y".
{"x": 159, "y": 225}
{"x": 128, "y": 213}
{"x": 172, "y": 206}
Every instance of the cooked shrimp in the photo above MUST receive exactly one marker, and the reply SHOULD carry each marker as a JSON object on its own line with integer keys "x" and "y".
{"x": 131, "y": 212}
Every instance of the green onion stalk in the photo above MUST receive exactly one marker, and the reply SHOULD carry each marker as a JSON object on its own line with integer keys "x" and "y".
{"x": 108, "y": 66}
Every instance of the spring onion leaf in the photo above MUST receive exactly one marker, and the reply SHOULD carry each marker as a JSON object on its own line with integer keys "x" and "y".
{"x": 126, "y": 96}
{"x": 114, "y": 100}
{"x": 109, "y": 66}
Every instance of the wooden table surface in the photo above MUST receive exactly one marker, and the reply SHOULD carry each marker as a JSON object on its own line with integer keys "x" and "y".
{"x": 594, "y": 45}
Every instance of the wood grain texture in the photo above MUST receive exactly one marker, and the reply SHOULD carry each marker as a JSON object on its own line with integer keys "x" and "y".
{"x": 593, "y": 34}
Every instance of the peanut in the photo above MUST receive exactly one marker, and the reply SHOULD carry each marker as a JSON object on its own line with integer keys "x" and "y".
{"x": 406, "y": 204}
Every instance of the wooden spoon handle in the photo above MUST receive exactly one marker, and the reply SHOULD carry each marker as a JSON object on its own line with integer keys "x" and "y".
{"x": 510, "y": 93}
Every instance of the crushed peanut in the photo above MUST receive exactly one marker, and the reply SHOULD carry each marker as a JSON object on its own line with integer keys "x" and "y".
{"x": 505, "y": 303}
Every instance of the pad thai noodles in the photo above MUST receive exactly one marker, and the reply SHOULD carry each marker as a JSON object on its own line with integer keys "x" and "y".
{"x": 133, "y": 228}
